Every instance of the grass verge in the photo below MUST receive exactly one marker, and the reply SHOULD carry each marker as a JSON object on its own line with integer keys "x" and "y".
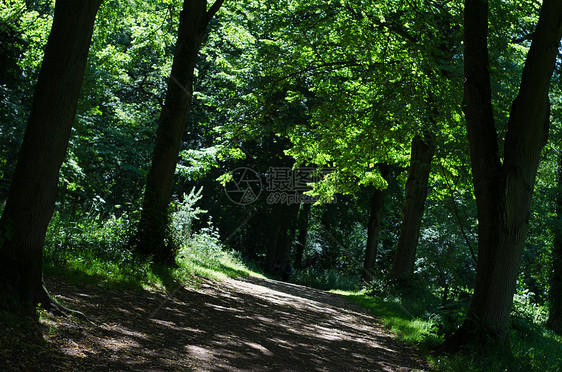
{"x": 416, "y": 317}
{"x": 96, "y": 253}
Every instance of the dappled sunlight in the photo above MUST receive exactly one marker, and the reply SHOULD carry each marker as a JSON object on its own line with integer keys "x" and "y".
{"x": 247, "y": 324}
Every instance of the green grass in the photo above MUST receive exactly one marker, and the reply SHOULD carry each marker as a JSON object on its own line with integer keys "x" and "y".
{"x": 96, "y": 252}
{"x": 203, "y": 255}
{"x": 403, "y": 316}
{"x": 415, "y": 318}
{"x": 534, "y": 349}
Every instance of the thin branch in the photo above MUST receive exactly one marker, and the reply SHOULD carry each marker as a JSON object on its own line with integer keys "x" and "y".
{"x": 336, "y": 65}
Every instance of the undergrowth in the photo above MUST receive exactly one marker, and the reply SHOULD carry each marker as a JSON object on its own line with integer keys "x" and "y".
{"x": 326, "y": 280}
{"x": 91, "y": 249}
{"x": 415, "y": 314}
{"x": 96, "y": 250}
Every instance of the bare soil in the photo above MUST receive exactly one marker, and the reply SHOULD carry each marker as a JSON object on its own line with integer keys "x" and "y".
{"x": 246, "y": 324}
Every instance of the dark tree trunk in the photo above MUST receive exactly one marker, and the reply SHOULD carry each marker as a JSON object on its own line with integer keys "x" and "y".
{"x": 503, "y": 191}
{"x": 373, "y": 228}
{"x": 32, "y": 194}
{"x": 281, "y": 237}
{"x": 276, "y": 254}
{"x": 555, "y": 293}
{"x": 152, "y": 229}
{"x": 412, "y": 213}
{"x": 300, "y": 243}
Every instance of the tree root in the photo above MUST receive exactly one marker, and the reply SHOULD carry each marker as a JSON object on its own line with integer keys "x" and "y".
{"x": 48, "y": 302}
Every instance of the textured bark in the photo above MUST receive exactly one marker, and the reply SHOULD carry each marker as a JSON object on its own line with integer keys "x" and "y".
{"x": 412, "y": 213}
{"x": 32, "y": 194}
{"x": 555, "y": 294}
{"x": 300, "y": 243}
{"x": 373, "y": 228}
{"x": 503, "y": 191}
{"x": 152, "y": 229}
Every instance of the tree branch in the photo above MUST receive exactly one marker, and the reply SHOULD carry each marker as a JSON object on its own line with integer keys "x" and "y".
{"x": 213, "y": 10}
{"x": 336, "y": 65}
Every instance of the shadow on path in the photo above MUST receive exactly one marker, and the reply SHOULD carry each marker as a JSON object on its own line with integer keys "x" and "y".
{"x": 248, "y": 324}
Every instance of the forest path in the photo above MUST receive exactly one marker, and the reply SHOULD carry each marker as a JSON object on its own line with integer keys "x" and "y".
{"x": 238, "y": 324}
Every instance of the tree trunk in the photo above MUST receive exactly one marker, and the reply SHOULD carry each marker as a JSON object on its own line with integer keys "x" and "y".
{"x": 555, "y": 293}
{"x": 153, "y": 224}
{"x": 32, "y": 195}
{"x": 373, "y": 228}
{"x": 276, "y": 255}
{"x": 503, "y": 191}
{"x": 304, "y": 214}
{"x": 412, "y": 213}
{"x": 279, "y": 244}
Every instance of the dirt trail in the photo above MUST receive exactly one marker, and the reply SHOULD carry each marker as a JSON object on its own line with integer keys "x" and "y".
{"x": 249, "y": 324}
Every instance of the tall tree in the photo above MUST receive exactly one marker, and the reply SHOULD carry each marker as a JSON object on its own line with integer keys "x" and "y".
{"x": 412, "y": 213}
{"x": 503, "y": 190}
{"x": 555, "y": 293}
{"x": 32, "y": 194}
{"x": 302, "y": 225}
{"x": 282, "y": 221}
{"x": 373, "y": 227}
{"x": 194, "y": 19}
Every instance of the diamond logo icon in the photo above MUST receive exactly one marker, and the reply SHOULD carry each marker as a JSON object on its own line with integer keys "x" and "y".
{"x": 245, "y": 186}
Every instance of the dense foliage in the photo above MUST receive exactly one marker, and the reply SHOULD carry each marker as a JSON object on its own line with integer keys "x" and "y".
{"x": 325, "y": 90}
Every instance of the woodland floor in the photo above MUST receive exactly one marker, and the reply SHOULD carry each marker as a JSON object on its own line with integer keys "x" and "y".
{"x": 239, "y": 324}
